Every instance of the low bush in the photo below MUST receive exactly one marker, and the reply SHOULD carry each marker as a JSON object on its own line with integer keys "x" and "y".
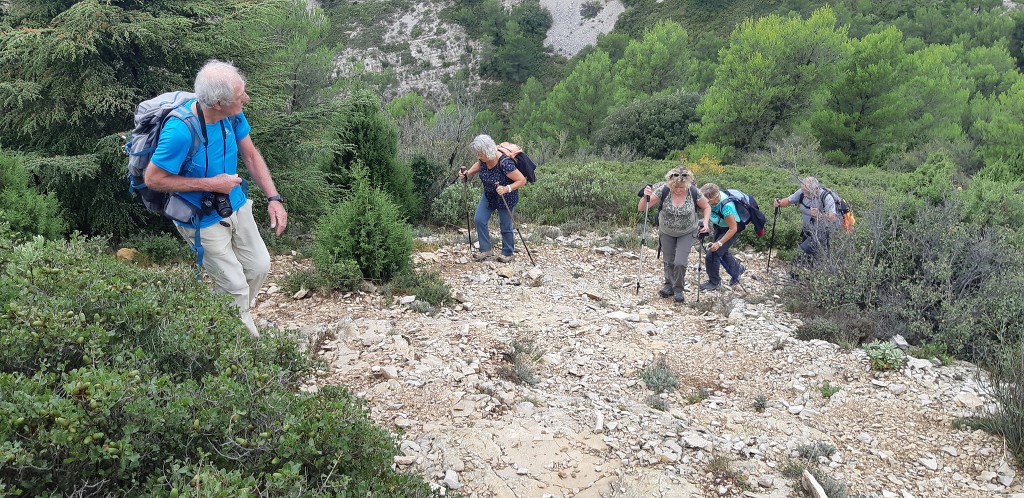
{"x": 26, "y": 211}
{"x": 426, "y": 286}
{"x": 451, "y": 207}
{"x": 367, "y": 228}
{"x": 160, "y": 248}
{"x": 122, "y": 380}
{"x": 884, "y": 356}
{"x": 659, "y": 376}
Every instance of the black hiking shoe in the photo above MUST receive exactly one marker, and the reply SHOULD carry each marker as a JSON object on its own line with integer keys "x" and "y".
{"x": 665, "y": 291}
{"x": 708, "y": 286}
{"x": 679, "y": 299}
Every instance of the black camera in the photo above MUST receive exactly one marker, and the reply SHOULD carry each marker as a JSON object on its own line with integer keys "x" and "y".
{"x": 220, "y": 203}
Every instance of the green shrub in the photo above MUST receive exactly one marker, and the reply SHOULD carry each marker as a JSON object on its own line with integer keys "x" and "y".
{"x": 652, "y": 126}
{"x": 827, "y": 389}
{"x": 120, "y": 379}
{"x": 341, "y": 275}
{"x": 456, "y": 200}
{"x": 427, "y": 178}
{"x": 160, "y": 248}
{"x": 523, "y": 358}
{"x": 426, "y": 286}
{"x": 1006, "y": 366}
{"x": 884, "y": 355}
{"x": 659, "y": 376}
{"x": 596, "y": 196}
{"x": 698, "y": 395}
{"x": 24, "y": 210}
{"x": 366, "y": 228}
{"x": 760, "y": 403}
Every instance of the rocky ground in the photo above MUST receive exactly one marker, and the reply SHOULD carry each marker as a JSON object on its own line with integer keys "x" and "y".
{"x": 443, "y": 381}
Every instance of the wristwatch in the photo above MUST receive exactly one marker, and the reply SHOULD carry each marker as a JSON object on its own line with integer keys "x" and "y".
{"x": 277, "y": 198}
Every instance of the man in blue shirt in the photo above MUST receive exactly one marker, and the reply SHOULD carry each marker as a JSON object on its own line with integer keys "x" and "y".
{"x": 234, "y": 254}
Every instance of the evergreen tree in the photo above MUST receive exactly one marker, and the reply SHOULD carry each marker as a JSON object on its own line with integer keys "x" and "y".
{"x": 767, "y": 76}
{"x": 577, "y": 105}
{"x": 1002, "y": 135}
{"x": 662, "y": 60}
{"x": 859, "y": 120}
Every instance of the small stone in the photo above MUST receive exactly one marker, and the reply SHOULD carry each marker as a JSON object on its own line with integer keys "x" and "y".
{"x": 451, "y": 479}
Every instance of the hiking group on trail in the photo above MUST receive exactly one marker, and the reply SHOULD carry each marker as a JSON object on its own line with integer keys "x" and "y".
{"x": 183, "y": 163}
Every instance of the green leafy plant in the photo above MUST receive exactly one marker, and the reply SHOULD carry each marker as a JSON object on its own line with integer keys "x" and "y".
{"x": 428, "y": 287}
{"x": 698, "y": 395}
{"x": 657, "y": 402}
{"x": 760, "y": 403}
{"x": 659, "y": 376}
{"x": 884, "y": 355}
{"x": 25, "y": 210}
{"x": 116, "y": 378}
{"x": 932, "y": 350}
{"x": 523, "y": 358}
{"x": 827, "y": 389}
{"x": 721, "y": 467}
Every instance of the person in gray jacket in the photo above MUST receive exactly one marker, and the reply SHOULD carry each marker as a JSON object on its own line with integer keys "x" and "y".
{"x": 820, "y": 217}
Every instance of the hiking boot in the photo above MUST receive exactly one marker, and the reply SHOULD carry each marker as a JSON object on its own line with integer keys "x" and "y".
{"x": 708, "y": 286}
{"x": 504, "y": 259}
{"x": 666, "y": 291}
{"x": 735, "y": 280}
{"x": 483, "y": 255}
{"x": 679, "y": 298}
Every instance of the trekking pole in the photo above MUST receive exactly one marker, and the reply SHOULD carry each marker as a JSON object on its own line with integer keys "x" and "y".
{"x": 701, "y": 254}
{"x": 465, "y": 198}
{"x": 521, "y": 239}
{"x": 465, "y": 203}
{"x": 643, "y": 242}
{"x": 771, "y": 241}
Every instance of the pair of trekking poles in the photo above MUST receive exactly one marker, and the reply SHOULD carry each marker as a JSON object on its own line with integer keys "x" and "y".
{"x": 700, "y": 242}
{"x": 469, "y": 227}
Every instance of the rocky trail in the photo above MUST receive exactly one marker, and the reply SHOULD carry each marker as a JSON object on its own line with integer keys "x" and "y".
{"x": 586, "y": 428}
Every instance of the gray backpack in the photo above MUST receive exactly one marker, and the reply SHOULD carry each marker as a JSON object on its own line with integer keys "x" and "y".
{"x": 150, "y": 117}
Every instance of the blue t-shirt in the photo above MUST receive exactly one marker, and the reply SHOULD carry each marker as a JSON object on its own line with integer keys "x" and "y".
{"x": 221, "y": 150}
{"x": 498, "y": 175}
{"x": 722, "y": 210}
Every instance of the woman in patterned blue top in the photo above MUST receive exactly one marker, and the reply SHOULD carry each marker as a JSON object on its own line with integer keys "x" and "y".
{"x": 500, "y": 178}
{"x": 724, "y": 218}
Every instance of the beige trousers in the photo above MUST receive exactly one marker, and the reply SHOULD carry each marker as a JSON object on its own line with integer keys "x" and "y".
{"x": 236, "y": 258}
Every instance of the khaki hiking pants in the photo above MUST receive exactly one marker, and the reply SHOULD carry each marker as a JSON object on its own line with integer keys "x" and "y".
{"x": 236, "y": 259}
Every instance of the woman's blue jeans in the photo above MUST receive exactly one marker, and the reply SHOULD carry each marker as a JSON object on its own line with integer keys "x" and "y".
{"x": 483, "y": 215}
{"x": 722, "y": 258}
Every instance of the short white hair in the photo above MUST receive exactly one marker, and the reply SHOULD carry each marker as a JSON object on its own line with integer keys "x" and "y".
{"x": 216, "y": 82}
{"x": 813, "y": 185}
{"x": 484, "y": 144}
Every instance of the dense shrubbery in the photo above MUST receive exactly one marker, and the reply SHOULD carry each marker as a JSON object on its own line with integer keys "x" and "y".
{"x": 116, "y": 380}
{"x": 26, "y": 211}
{"x": 651, "y": 126}
{"x": 450, "y": 208}
{"x": 367, "y": 228}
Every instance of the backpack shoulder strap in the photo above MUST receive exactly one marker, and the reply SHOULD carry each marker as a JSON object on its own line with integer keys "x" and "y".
{"x": 661, "y": 197}
{"x": 195, "y": 128}
{"x": 695, "y": 193}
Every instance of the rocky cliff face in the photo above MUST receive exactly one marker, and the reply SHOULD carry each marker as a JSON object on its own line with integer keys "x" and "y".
{"x": 424, "y": 52}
